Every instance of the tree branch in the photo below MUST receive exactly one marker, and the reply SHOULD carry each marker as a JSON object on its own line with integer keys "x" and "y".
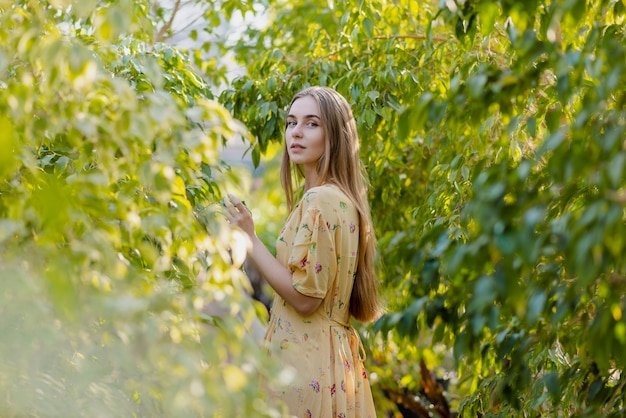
{"x": 168, "y": 25}
{"x": 410, "y": 36}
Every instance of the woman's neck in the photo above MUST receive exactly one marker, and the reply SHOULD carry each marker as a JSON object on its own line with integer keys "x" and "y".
{"x": 311, "y": 179}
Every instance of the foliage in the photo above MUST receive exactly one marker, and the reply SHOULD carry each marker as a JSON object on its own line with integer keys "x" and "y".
{"x": 493, "y": 133}
{"x": 111, "y": 250}
{"x": 210, "y": 26}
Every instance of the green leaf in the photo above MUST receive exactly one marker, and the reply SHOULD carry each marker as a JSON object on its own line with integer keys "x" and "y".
{"x": 531, "y": 126}
{"x": 368, "y": 25}
{"x": 488, "y": 13}
{"x": 476, "y": 85}
{"x": 536, "y": 306}
{"x": 256, "y": 156}
{"x": 553, "y": 386}
{"x": 373, "y": 95}
{"x": 553, "y": 120}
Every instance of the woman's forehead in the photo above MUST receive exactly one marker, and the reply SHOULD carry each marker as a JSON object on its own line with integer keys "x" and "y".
{"x": 304, "y": 106}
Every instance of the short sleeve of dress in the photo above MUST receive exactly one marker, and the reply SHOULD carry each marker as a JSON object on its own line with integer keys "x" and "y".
{"x": 313, "y": 258}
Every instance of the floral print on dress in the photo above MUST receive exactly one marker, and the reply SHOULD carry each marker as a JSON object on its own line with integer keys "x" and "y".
{"x": 315, "y": 385}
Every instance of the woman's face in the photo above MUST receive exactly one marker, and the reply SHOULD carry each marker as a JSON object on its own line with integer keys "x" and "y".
{"x": 304, "y": 134}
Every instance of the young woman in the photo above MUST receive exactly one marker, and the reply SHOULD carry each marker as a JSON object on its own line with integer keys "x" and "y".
{"x": 323, "y": 273}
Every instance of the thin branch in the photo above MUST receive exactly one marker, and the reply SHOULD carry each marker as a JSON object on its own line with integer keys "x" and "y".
{"x": 410, "y": 36}
{"x": 159, "y": 36}
{"x": 189, "y": 25}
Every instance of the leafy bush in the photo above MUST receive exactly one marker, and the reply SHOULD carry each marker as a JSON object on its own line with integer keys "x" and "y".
{"x": 114, "y": 262}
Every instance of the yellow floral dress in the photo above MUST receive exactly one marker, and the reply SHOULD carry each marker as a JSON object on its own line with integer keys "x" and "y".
{"x": 319, "y": 244}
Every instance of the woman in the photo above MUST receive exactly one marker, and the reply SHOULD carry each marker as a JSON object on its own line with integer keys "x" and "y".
{"x": 323, "y": 273}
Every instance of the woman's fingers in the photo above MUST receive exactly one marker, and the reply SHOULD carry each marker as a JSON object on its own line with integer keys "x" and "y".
{"x": 235, "y": 210}
{"x": 237, "y": 204}
{"x": 228, "y": 210}
{"x": 241, "y": 207}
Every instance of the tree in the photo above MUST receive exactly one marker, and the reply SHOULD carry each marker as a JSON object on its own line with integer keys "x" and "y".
{"x": 110, "y": 244}
{"x": 493, "y": 133}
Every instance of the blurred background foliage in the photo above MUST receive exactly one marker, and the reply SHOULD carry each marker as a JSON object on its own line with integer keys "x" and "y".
{"x": 493, "y": 135}
{"x": 120, "y": 290}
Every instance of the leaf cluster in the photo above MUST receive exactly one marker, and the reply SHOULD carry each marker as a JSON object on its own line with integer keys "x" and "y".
{"x": 119, "y": 292}
{"x": 493, "y": 135}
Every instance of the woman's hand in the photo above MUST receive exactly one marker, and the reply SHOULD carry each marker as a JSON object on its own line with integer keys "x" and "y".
{"x": 238, "y": 214}
{"x": 277, "y": 275}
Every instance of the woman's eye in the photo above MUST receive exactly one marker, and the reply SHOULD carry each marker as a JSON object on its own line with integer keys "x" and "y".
{"x": 291, "y": 123}
{"x": 313, "y": 124}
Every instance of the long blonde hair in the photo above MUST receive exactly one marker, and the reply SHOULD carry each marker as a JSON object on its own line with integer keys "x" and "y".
{"x": 340, "y": 165}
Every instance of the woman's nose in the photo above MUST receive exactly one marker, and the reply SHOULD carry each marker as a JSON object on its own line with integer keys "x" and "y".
{"x": 296, "y": 131}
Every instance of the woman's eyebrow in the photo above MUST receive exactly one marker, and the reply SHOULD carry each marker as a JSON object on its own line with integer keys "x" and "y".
{"x": 305, "y": 117}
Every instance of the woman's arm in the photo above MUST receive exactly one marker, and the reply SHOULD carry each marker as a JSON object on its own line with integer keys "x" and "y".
{"x": 277, "y": 275}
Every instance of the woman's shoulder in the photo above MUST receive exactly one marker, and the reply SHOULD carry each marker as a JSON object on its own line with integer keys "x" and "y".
{"x": 324, "y": 192}
{"x": 326, "y": 196}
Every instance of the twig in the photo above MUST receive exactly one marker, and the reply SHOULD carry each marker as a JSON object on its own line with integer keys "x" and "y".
{"x": 410, "y": 36}
{"x": 168, "y": 25}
